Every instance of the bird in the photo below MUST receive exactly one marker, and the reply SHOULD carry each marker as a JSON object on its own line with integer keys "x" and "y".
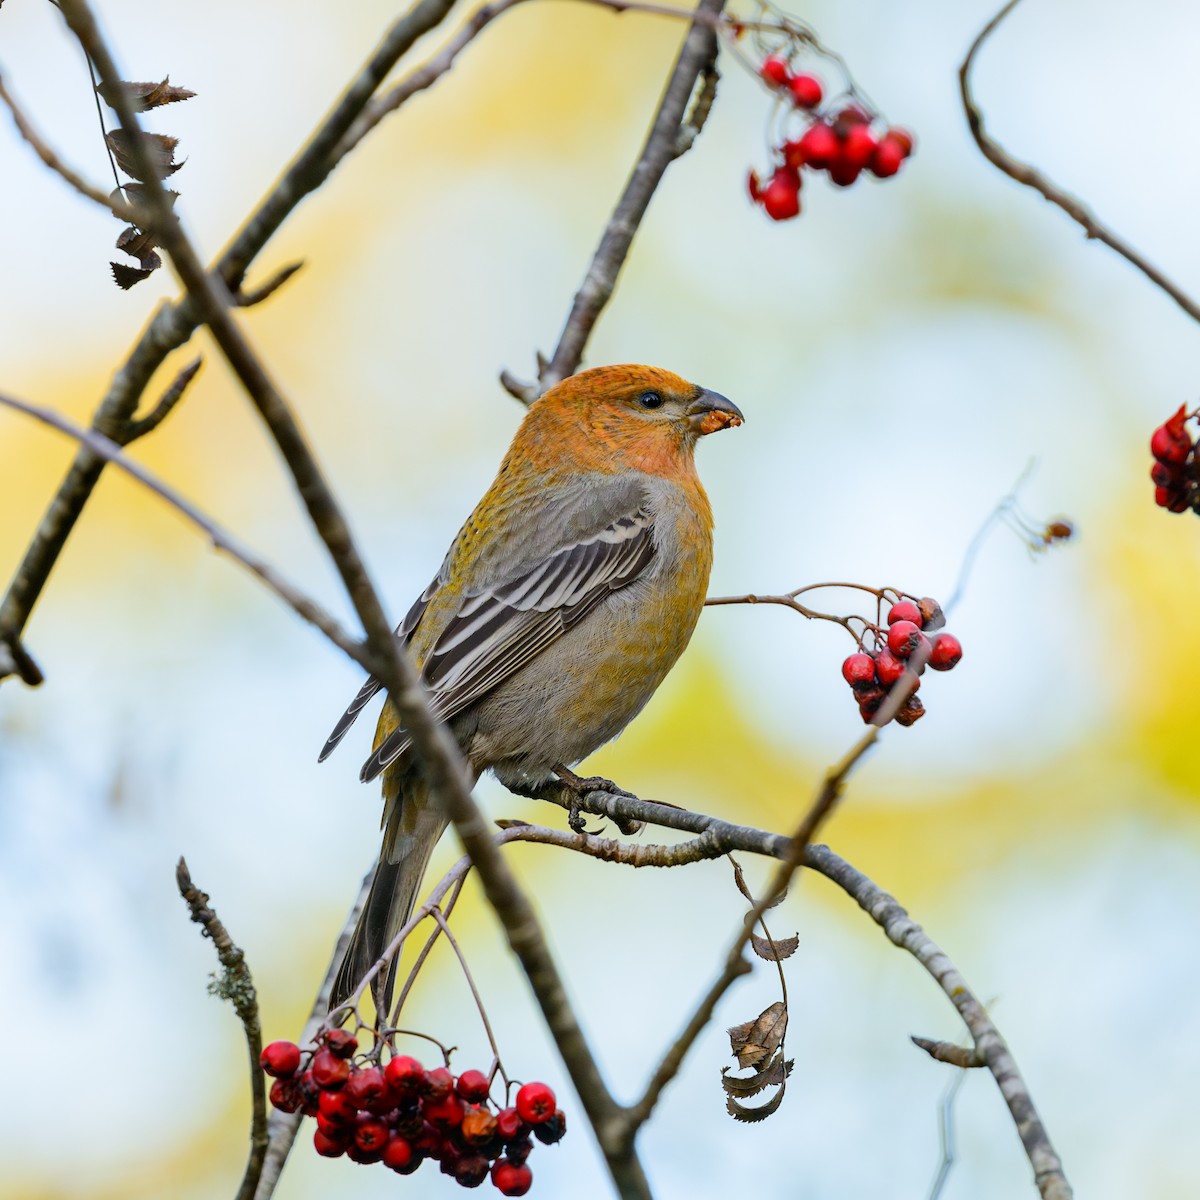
{"x": 566, "y": 597}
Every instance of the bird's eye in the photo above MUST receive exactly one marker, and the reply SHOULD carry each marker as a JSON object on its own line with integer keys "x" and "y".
{"x": 650, "y": 400}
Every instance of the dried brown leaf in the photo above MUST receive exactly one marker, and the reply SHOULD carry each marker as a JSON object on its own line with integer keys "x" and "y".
{"x": 742, "y": 1112}
{"x": 135, "y": 242}
{"x": 126, "y": 276}
{"x": 159, "y": 146}
{"x": 774, "y": 949}
{"x": 145, "y": 95}
{"x": 772, "y": 1075}
{"x": 755, "y": 1041}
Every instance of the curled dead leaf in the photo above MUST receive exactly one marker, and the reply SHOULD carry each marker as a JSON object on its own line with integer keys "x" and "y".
{"x": 772, "y": 1075}
{"x": 159, "y": 147}
{"x": 145, "y": 96}
{"x": 744, "y": 1112}
{"x": 774, "y": 949}
{"x": 755, "y": 1041}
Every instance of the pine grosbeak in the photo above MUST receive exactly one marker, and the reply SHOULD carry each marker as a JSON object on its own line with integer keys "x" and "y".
{"x": 562, "y": 604}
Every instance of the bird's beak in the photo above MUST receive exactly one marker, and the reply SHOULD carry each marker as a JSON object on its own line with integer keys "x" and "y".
{"x": 710, "y": 411}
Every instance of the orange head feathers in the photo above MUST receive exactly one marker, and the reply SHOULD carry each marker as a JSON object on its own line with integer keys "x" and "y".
{"x": 621, "y": 418}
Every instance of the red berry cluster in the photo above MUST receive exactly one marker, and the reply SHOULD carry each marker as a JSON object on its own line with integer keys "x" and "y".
{"x": 401, "y": 1114}
{"x": 903, "y": 649}
{"x": 840, "y": 140}
{"x": 1176, "y": 471}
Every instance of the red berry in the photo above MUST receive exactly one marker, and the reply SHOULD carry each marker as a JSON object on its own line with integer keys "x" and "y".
{"x": 404, "y": 1074}
{"x": 372, "y": 1135}
{"x": 341, "y": 1043}
{"x": 509, "y": 1124}
{"x": 818, "y": 146}
{"x": 888, "y": 667}
{"x": 886, "y": 160}
{"x": 850, "y": 117}
{"x": 510, "y": 1179}
{"x": 781, "y": 197}
{"x": 448, "y": 1111}
{"x": 285, "y": 1096}
{"x": 858, "y": 145}
{"x": 753, "y": 186}
{"x": 1169, "y": 447}
{"x": 328, "y": 1071}
{"x": 902, "y": 138}
{"x": 1162, "y": 497}
{"x": 398, "y": 1153}
{"x": 843, "y": 173}
{"x": 1181, "y": 502}
{"x": 281, "y": 1059}
{"x": 553, "y": 1130}
{"x": 946, "y": 652}
{"x": 473, "y": 1087}
{"x": 336, "y": 1107}
{"x": 903, "y": 638}
{"x": 1164, "y": 475}
{"x": 365, "y": 1087}
{"x": 355, "y": 1153}
{"x": 806, "y": 91}
{"x": 905, "y": 610}
{"x": 535, "y": 1103}
{"x": 858, "y": 668}
{"x": 330, "y": 1147}
{"x": 775, "y": 71}
{"x": 437, "y": 1084}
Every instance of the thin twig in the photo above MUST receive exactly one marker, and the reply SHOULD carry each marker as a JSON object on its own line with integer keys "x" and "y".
{"x": 174, "y": 324}
{"x": 108, "y": 450}
{"x": 908, "y": 935}
{"x": 662, "y": 147}
{"x": 434, "y": 934}
{"x": 141, "y": 426}
{"x": 113, "y": 203}
{"x": 950, "y": 1052}
{"x": 237, "y": 986}
{"x": 1028, "y": 175}
{"x": 283, "y": 1127}
{"x": 259, "y": 294}
{"x": 440, "y": 918}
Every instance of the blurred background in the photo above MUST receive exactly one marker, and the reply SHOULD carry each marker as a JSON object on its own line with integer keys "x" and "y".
{"x": 902, "y": 351}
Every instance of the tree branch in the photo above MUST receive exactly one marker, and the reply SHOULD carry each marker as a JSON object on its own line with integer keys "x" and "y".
{"x": 174, "y": 324}
{"x": 1025, "y": 174}
{"x": 663, "y": 145}
{"x": 237, "y": 986}
{"x": 283, "y": 1127}
{"x": 106, "y": 450}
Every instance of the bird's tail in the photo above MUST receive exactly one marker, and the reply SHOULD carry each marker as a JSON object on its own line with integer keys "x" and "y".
{"x": 414, "y": 825}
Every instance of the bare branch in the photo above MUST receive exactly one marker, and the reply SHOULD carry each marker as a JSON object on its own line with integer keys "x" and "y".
{"x": 171, "y": 397}
{"x": 662, "y": 147}
{"x": 1025, "y": 174}
{"x": 283, "y": 1127}
{"x": 259, "y": 294}
{"x": 237, "y": 986}
{"x": 989, "y": 1045}
{"x": 107, "y": 450}
{"x": 112, "y": 202}
{"x": 949, "y": 1052}
{"x": 174, "y": 324}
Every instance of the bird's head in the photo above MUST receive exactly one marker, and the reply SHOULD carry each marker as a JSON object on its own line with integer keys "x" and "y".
{"x": 629, "y": 417}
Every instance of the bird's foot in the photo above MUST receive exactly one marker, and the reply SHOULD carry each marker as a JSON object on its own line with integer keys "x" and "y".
{"x": 580, "y": 785}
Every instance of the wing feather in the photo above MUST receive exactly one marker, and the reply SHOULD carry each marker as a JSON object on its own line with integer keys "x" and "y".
{"x": 500, "y": 629}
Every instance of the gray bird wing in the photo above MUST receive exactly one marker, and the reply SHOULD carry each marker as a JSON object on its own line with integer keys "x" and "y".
{"x": 503, "y": 625}
{"x": 404, "y": 632}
